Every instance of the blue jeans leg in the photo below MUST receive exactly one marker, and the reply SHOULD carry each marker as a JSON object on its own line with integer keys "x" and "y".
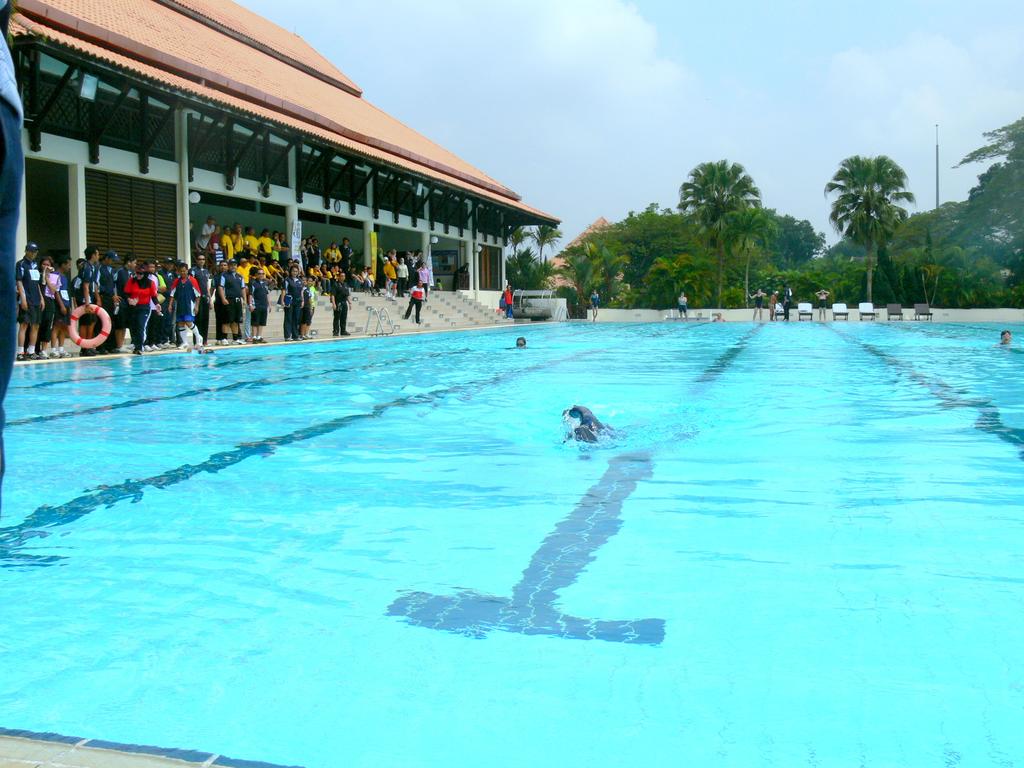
{"x": 139, "y": 323}
{"x": 12, "y": 167}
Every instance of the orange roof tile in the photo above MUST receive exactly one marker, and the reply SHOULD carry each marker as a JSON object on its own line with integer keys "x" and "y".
{"x": 258, "y": 29}
{"x": 597, "y": 226}
{"x": 158, "y": 42}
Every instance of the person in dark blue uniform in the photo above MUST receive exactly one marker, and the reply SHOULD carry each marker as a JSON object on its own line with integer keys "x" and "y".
{"x": 184, "y": 293}
{"x": 341, "y": 302}
{"x": 291, "y": 301}
{"x": 259, "y": 304}
{"x": 230, "y": 292}
{"x": 30, "y": 303}
{"x": 122, "y": 318}
{"x": 89, "y": 291}
{"x": 107, "y": 281}
{"x": 202, "y": 276}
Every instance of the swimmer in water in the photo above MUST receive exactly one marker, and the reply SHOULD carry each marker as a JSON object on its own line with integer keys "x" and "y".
{"x": 582, "y": 425}
{"x": 521, "y": 343}
{"x": 1005, "y": 339}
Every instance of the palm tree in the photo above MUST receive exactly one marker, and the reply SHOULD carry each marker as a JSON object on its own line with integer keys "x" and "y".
{"x": 608, "y": 266}
{"x": 713, "y": 192}
{"x": 578, "y": 269}
{"x": 516, "y": 238}
{"x": 866, "y": 208}
{"x": 523, "y": 270}
{"x": 545, "y": 235}
{"x": 747, "y": 230}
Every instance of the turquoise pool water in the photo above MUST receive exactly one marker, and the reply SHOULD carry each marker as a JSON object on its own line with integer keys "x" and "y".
{"x": 803, "y": 547}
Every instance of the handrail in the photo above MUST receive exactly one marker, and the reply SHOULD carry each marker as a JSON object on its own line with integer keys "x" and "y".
{"x": 378, "y": 328}
{"x": 370, "y": 312}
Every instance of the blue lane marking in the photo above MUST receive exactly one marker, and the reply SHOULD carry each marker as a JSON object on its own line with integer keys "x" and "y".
{"x": 562, "y": 556}
{"x": 989, "y": 421}
{"x": 14, "y": 537}
{"x": 250, "y": 384}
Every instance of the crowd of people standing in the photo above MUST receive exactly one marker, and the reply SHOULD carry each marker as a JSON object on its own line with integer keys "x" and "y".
{"x": 164, "y": 303}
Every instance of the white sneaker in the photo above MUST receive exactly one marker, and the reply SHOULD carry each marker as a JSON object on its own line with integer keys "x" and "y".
{"x": 148, "y": 348}
{"x": 64, "y": 352}
{"x": 239, "y": 341}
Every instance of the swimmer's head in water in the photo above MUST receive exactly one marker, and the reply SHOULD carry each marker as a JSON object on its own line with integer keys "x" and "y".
{"x": 521, "y": 342}
{"x": 1005, "y": 337}
{"x": 581, "y": 424}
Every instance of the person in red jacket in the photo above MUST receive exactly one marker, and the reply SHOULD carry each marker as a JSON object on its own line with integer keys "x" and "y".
{"x": 416, "y": 297}
{"x": 141, "y": 290}
{"x": 507, "y": 296}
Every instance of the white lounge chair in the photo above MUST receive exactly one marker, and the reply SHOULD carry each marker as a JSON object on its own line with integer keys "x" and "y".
{"x": 779, "y": 311}
{"x": 866, "y": 310}
{"x": 840, "y": 310}
{"x": 803, "y": 309}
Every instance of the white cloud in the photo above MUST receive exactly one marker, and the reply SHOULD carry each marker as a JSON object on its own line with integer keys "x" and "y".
{"x": 577, "y": 105}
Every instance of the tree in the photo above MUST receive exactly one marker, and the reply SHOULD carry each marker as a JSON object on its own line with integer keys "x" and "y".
{"x": 711, "y": 194}
{"x": 578, "y": 269}
{"x": 646, "y": 236}
{"x": 608, "y": 266}
{"x": 750, "y": 230}
{"x": 995, "y": 206}
{"x": 866, "y": 208}
{"x": 543, "y": 236}
{"x": 523, "y": 270}
{"x": 795, "y": 241}
{"x": 516, "y": 238}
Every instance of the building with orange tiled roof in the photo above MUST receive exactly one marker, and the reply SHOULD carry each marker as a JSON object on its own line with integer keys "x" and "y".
{"x": 558, "y": 261}
{"x": 143, "y": 117}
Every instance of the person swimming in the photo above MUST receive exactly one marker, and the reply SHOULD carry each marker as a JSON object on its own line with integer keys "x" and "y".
{"x": 582, "y": 425}
{"x": 520, "y": 342}
{"x": 1005, "y": 339}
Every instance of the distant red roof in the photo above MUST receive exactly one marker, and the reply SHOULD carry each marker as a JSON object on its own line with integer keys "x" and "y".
{"x": 597, "y": 226}
{"x": 221, "y": 52}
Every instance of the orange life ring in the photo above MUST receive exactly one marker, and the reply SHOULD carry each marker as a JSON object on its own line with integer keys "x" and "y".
{"x": 100, "y": 337}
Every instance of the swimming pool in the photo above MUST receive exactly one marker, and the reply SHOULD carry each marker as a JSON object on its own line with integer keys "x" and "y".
{"x": 803, "y": 547}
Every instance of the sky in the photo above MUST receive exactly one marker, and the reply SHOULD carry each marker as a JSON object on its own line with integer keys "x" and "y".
{"x": 593, "y": 108}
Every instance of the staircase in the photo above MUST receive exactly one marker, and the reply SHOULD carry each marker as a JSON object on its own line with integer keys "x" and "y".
{"x": 442, "y": 311}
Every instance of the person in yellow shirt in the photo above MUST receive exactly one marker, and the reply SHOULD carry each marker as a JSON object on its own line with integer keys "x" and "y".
{"x": 333, "y": 255}
{"x": 390, "y": 275}
{"x": 227, "y": 244}
{"x": 266, "y": 243}
{"x": 244, "y": 268}
{"x": 237, "y": 240}
{"x": 252, "y": 243}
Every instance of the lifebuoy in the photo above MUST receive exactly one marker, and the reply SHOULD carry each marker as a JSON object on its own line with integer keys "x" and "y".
{"x": 100, "y": 337}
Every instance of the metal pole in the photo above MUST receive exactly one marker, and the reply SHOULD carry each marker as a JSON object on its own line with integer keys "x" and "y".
{"x": 936, "y": 165}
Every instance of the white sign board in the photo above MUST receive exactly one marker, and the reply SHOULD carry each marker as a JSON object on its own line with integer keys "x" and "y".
{"x": 296, "y": 239}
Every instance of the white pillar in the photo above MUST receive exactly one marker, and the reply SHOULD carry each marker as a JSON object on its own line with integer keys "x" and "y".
{"x": 367, "y": 245}
{"x": 184, "y": 217}
{"x": 502, "y": 252}
{"x": 76, "y": 214}
{"x": 425, "y": 247}
{"x": 291, "y": 215}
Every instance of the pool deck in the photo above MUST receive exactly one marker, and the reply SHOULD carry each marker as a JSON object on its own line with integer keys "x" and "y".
{"x": 228, "y": 349}
{"x": 23, "y": 749}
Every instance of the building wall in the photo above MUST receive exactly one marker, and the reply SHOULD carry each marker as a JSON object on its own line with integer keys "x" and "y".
{"x": 74, "y": 156}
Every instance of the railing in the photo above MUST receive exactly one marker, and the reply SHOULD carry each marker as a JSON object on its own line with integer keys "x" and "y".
{"x": 379, "y": 328}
